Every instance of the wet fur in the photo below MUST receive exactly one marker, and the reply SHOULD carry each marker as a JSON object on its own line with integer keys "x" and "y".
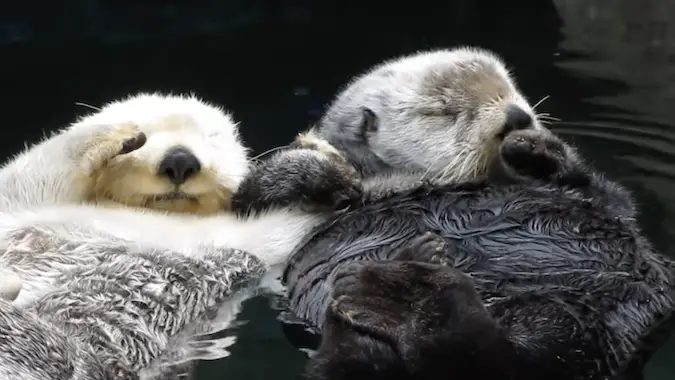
{"x": 569, "y": 286}
{"x": 134, "y": 315}
{"x": 127, "y": 309}
{"x": 120, "y": 292}
{"x": 566, "y": 276}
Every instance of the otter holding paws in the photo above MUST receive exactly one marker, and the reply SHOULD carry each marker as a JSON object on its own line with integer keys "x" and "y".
{"x": 310, "y": 173}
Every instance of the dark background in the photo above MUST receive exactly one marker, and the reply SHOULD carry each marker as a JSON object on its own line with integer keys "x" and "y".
{"x": 607, "y": 65}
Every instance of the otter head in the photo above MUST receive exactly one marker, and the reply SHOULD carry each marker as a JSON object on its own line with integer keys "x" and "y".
{"x": 443, "y": 113}
{"x": 192, "y": 162}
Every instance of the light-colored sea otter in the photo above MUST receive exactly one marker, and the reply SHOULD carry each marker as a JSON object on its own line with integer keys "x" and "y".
{"x": 120, "y": 230}
{"x": 154, "y": 155}
{"x": 513, "y": 259}
{"x": 192, "y": 163}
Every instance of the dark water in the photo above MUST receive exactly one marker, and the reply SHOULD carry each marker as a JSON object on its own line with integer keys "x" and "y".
{"x": 606, "y": 65}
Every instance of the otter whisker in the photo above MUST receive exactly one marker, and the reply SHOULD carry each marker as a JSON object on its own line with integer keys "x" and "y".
{"x": 87, "y": 105}
{"x": 457, "y": 169}
{"x": 552, "y": 119}
{"x": 448, "y": 169}
{"x": 546, "y": 119}
{"x": 438, "y": 175}
{"x": 547, "y": 116}
{"x": 268, "y": 152}
{"x": 441, "y": 173}
{"x": 537, "y": 104}
{"x": 429, "y": 168}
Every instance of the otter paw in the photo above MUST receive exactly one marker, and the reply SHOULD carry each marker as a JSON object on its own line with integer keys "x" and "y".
{"x": 535, "y": 154}
{"x": 429, "y": 248}
{"x": 302, "y": 177}
{"x": 337, "y": 183}
{"x": 400, "y": 301}
{"x": 359, "y": 306}
{"x": 111, "y": 141}
{"x": 310, "y": 140}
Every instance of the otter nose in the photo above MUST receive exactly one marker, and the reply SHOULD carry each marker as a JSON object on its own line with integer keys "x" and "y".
{"x": 516, "y": 119}
{"x": 178, "y": 165}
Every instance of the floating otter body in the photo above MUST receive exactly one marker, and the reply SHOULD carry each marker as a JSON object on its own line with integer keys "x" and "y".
{"x": 512, "y": 260}
{"x": 121, "y": 231}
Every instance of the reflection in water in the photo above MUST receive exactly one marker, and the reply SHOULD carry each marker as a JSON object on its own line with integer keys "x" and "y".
{"x": 607, "y": 68}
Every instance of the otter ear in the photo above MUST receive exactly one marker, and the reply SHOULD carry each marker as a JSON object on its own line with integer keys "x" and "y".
{"x": 369, "y": 122}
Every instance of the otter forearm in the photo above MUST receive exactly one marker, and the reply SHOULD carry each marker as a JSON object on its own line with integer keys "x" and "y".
{"x": 51, "y": 165}
{"x": 309, "y": 176}
{"x": 61, "y": 169}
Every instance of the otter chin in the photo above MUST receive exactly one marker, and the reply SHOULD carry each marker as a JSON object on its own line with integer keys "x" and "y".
{"x": 189, "y": 160}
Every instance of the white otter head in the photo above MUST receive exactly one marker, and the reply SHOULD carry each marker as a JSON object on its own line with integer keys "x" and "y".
{"x": 442, "y": 112}
{"x": 192, "y": 162}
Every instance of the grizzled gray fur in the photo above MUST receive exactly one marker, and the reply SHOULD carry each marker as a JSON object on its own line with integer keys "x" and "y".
{"x": 536, "y": 267}
{"x": 112, "y": 320}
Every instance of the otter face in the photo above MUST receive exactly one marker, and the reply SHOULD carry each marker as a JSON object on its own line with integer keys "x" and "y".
{"x": 443, "y": 112}
{"x": 192, "y": 161}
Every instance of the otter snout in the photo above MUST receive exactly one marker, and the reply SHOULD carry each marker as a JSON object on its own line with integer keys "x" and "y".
{"x": 516, "y": 119}
{"x": 179, "y": 164}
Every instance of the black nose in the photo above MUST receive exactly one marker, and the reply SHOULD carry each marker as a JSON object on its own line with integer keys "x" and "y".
{"x": 516, "y": 119}
{"x": 178, "y": 165}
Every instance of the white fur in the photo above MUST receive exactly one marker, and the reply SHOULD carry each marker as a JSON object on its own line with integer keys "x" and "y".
{"x": 43, "y": 187}
{"x": 270, "y": 237}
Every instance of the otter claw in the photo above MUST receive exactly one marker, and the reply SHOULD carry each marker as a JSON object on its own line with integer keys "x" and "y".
{"x": 134, "y": 143}
{"x": 342, "y": 203}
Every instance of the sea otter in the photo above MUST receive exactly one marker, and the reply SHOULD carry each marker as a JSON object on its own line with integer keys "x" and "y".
{"x": 121, "y": 232}
{"x": 485, "y": 248}
{"x": 155, "y": 169}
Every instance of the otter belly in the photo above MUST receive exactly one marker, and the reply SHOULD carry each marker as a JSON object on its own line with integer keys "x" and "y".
{"x": 512, "y": 241}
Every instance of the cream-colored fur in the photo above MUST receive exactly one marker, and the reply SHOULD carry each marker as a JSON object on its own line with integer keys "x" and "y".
{"x": 440, "y": 112}
{"x": 83, "y": 163}
{"x": 66, "y": 184}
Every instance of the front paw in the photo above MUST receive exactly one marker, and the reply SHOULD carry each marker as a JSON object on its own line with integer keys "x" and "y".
{"x": 336, "y": 184}
{"x": 312, "y": 178}
{"x": 111, "y": 141}
{"x": 534, "y": 154}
